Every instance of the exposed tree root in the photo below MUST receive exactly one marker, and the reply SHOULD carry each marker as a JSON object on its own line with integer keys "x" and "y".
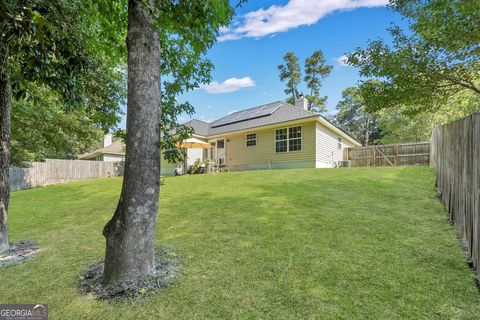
{"x": 167, "y": 267}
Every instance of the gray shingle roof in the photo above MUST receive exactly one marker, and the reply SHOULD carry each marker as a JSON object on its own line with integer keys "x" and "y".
{"x": 271, "y": 113}
{"x": 117, "y": 147}
{"x": 200, "y": 127}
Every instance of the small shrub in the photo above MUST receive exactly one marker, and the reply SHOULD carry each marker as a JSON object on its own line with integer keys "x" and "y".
{"x": 197, "y": 167}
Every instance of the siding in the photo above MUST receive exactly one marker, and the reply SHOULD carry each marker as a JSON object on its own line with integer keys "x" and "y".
{"x": 263, "y": 155}
{"x": 194, "y": 154}
{"x": 166, "y": 168}
{"x": 113, "y": 157}
{"x": 327, "y": 151}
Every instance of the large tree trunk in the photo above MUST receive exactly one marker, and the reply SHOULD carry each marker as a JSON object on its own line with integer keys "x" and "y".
{"x": 5, "y": 123}
{"x": 130, "y": 234}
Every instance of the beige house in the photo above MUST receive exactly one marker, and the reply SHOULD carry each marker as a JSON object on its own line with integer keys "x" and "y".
{"x": 111, "y": 151}
{"x": 272, "y": 136}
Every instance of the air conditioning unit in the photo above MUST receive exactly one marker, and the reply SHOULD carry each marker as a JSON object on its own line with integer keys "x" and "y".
{"x": 344, "y": 164}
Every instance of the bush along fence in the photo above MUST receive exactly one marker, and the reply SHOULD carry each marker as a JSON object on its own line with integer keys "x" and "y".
{"x": 415, "y": 153}
{"x": 456, "y": 156}
{"x": 54, "y": 171}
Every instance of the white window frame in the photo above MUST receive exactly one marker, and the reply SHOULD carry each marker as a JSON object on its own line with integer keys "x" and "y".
{"x": 339, "y": 141}
{"x": 246, "y": 139}
{"x": 287, "y": 139}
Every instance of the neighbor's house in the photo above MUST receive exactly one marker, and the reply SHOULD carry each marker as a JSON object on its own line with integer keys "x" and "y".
{"x": 111, "y": 151}
{"x": 272, "y": 136}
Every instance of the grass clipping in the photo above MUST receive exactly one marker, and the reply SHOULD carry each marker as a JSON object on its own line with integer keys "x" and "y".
{"x": 167, "y": 267}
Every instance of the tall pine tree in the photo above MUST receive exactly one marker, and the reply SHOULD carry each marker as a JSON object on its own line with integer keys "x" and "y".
{"x": 315, "y": 71}
{"x": 291, "y": 73}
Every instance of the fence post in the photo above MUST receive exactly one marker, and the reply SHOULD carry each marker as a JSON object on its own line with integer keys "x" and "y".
{"x": 374, "y": 157}
{"x": 396, "y": 154}
{"x": 346, "y": 154}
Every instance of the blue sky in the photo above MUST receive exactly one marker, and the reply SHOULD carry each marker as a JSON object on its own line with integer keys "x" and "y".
{"x": 263, "y": 31}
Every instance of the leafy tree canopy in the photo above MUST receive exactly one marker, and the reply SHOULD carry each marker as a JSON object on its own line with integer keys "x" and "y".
{"x": 42, "y": 129}
{"x": 59, "y": 57}
{"x": 353, "y": 117}
{"x": 451, "y": 26}
{"x": 423, "y": 68}
{"x": 187, "y": 30}
{"x": 398, "y": 126}
{"x": 95, "y": 32}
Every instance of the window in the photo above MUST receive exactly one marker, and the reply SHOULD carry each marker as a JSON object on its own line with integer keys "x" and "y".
{"x": 339, "y": 143}
{"x": 288, "y": 139}
{"x": 251, "y": 139}
{"x": 281, "y": 140}
{"x": 220, "y": 144}
{"x": 295, "y": 138}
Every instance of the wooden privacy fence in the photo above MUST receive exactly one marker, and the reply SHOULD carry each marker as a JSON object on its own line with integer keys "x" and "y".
{"x": 59, "y": 171}
{"x": 456, "y": 156}
{"x": 415, "y": 153}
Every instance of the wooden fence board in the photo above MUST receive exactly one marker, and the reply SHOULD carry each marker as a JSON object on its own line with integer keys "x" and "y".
{"x": 415, "y": 153}
{"x": 54, "y": 171}
{"x": 455, "y": 153}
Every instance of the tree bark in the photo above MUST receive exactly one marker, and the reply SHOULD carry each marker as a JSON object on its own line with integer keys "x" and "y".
{"x": 5, "y": 124}
{"x": 130, "y": 234}
{"x": 367, "y": 131}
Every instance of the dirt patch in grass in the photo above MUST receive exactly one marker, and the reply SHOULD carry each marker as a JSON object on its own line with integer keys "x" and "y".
{"x": 166, "y": 271}
{"x": 19, "y": 252}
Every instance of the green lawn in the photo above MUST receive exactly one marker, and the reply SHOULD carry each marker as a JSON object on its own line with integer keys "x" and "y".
{"x": 292, "y": 244}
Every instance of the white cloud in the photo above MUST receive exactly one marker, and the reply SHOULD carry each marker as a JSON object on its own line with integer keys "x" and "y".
{"x": 342, "y": 61}
{"x": 295, "y": 13}
{"x": 209, "y": 107}
{"x": 228, "y": 36}
{"x": 229, "y": 85}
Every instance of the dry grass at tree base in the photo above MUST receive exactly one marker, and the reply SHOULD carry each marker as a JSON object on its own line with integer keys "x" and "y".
{"x": 166, "y": 271}
{"x": 19, "y": 252}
